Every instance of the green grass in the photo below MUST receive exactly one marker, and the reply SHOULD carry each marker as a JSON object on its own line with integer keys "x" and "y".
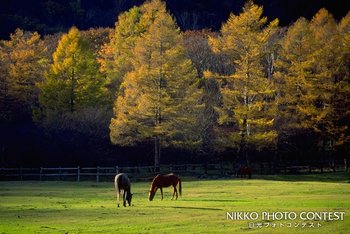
{"x": 87, "y": 207}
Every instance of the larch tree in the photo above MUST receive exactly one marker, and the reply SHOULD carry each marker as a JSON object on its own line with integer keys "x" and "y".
{"x": 203, "y": 58}
{"x": 73, "y": 81}
{"x": 248, "y": 111}
{"x": 157, "y": 100}
{"x": 295, "y": 78}
{"x": 23, "y": 63}
{"x": 324, "y": 31}
{"x": 305, "y": 76}
{"x": 337, "y": 121}
{"x": 116, "y": 56}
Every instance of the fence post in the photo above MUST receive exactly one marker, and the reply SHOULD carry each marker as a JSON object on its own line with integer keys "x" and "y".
{"x": 41, "y": 173}
{"x": 116, "y": 170}
{"x": 98, "y": 174}
{"x": 345, "y": 165}
{"x": 78, "y": 174}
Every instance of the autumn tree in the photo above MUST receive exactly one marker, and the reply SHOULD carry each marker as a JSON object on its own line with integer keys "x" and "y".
{"x": 203, "y": 58}
{"x": 324, "y": 32}
{"x": 335, "y": 124}
{"x": 157, "y": 99}
{"x": 73, "y": 81}
{"x": 248, "y": 110}
{"x": 295, "y": 79}
{"x": 23, "y": 63}
{"x": 116, "y": 56}
{"x": 96, "y": 38}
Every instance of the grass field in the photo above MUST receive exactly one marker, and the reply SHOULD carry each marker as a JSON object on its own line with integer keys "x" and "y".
{"x": 87, "y": 207}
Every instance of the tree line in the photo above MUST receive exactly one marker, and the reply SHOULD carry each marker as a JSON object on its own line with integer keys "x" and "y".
{"x": 52, "y": 16}
{"x": 253, "y": 89}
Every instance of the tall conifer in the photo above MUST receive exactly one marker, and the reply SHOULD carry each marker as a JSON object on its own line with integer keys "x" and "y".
{"x": 73, "y": 81}
{"x": 157, "y": 99}
{"x": 248, "y": 96}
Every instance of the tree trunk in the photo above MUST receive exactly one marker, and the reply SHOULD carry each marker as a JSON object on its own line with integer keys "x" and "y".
{"x": 156, "y": 154}
{"x": 72, "y": 92}
{"x": 158, "y": 117}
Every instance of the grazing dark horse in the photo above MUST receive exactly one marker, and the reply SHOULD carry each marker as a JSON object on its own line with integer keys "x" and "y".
{"x": 161, "y": 181}
{"x": 244, "y": 171}
{"x": 122, "y": 186}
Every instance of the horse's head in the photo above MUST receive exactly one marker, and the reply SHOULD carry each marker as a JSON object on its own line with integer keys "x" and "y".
{"x": 128, "y": 198}
{"x": 151, "y": 194}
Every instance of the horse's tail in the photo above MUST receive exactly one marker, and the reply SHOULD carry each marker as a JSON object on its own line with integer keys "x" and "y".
{"x": 116, "y": 183}
{"x": 180, "y": 190}
{"x": 116, "y": 189}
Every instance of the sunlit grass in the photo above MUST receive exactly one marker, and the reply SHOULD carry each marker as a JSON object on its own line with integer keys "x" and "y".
{"x": 87, "y": 207}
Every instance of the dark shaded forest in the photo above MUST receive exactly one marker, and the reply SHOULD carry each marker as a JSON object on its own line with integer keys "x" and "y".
{"x": 73, "y": 87}
{"x": 51, "y": 16}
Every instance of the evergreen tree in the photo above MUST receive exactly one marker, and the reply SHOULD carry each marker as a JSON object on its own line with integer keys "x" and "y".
{"x": 248, "y": 110}
{"x": 73, "y": 81}
{"x": 157, "y": 99}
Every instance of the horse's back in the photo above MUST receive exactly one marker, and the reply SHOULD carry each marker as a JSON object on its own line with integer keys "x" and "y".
{"x": 167, "y": 180}
{"x": 122, "y": 180}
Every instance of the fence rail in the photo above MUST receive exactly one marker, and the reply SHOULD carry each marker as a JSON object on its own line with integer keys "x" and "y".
{"x": 147, "y": 172}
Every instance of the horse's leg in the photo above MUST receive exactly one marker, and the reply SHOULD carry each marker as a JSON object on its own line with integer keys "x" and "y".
{"x": 173, "y": 193}
{"x": 116, "y": 190}
{"x": 124, "y": 198}
{"x": 161, "y": 191}
{"x": 118, "y": 195}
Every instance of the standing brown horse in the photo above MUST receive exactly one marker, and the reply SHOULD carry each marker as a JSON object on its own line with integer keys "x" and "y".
{"x": 122, "y": 184}
{"x": 161, "y": 181}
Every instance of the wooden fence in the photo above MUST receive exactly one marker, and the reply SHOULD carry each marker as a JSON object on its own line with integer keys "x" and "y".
{"x": 94, "y": 173}
{"x": 147, "y": 172}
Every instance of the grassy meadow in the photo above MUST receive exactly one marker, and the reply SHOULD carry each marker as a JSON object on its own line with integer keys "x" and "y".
{"x": 88, "y": 207}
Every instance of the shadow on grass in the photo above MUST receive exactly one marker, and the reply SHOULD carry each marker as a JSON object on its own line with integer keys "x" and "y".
{"x": 189, "y": 207}
{"x": 195, "y": 208}
{"x": 343, "y": 177}
{"x": 217, "y": 200}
